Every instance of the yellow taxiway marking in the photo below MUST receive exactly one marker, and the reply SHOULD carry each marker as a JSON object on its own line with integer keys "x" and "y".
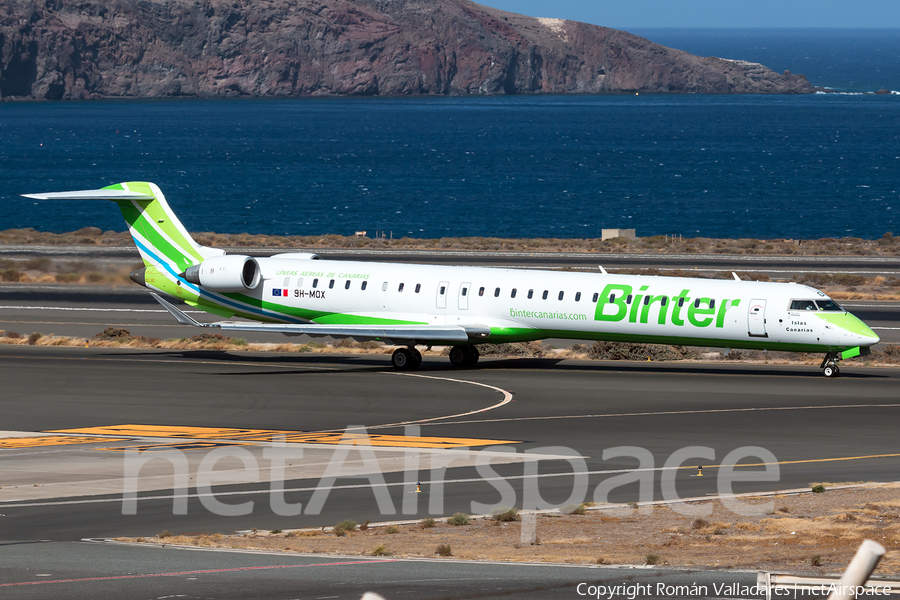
{"x": 53, "y": 440}
{"x": 269, "y": 435}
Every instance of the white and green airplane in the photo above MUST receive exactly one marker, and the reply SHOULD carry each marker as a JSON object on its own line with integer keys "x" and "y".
{"x": 414, "y": 305}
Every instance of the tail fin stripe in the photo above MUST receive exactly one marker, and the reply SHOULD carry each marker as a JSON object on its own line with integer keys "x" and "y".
{"x": 161, "y": 221}
{"x": 139, "y": 225}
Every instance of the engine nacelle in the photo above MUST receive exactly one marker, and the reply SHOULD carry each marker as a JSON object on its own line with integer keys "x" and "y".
{"x": 229, "y": 273}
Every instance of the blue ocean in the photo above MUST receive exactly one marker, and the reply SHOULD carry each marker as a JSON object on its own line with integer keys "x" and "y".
{"x": 825, "y": 165}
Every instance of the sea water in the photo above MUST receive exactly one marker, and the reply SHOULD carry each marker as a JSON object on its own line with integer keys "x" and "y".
{"x": 804, "y": 167}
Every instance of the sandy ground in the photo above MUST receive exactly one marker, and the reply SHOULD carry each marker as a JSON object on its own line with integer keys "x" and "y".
{"x": 814, "y": 533}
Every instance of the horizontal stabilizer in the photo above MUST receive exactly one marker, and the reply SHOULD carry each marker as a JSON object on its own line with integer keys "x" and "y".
{"x": 91, "y": 195}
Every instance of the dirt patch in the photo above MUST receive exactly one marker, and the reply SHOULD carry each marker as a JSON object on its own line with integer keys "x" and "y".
{"x": 809, "y": 533}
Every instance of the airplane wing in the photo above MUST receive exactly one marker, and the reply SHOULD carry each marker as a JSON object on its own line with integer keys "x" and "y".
{"x": 400, "y": 334}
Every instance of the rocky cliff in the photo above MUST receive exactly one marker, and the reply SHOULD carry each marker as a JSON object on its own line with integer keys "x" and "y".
{"x": 67, "y": 49}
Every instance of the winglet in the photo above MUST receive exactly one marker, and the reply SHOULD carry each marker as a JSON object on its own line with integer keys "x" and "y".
{"x": 179, "y": 315}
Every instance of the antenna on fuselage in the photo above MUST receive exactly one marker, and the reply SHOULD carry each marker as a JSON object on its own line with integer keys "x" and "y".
{"x": 602, "y": 270}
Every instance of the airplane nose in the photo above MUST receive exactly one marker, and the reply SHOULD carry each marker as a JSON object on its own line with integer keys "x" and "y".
{"x": 856, "y": 325}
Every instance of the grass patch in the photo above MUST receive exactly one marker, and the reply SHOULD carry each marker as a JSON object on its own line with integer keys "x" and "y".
{"x": 443, "y": 550}
{"x": 344, "y": 527}
{"x": 392, "y": 529}
{"x": 381, "y": 551}
{"x": 427, "y": 523}
{"x": 818, "y": 489}
{"x": 652, "y": 559}
{"x": 164, "y": 534}
{"x": 504, "y": 515}
{"x": 816, "y": 560}
{"x": 458, "y": 519}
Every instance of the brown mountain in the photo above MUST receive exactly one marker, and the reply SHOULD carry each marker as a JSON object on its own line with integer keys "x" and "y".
{"x": 67, "y": 49}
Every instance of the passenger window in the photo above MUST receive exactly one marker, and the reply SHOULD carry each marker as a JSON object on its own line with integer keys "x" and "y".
{"x": 481, "y": 291}
{"x": 530, "y": 294}
{"x": 364, "y": 284}
{"x": 497, "y": 293}
{"x": 646, "y": 300}
{"x": 418, "y": 287}
{"x": 596, "y": 297}
{"x": 561, "y": 295}
{"x": 680, "y": 302}
{"x": 664, "y": 301}
{"x": 299, "y": 282}
{"x": 465, "y": 291}
{"x": 712, "y": 304}
{"x": 443, "y": 290}
{"x": 577, "y": 296}
{"x": 331, "y": 284}
{"x": 628, "y": 299}
{"x": 400, "y": 288}
{"x": 384, "y": 286}
{"x": 697, "y": 303}
{"x": 287, "y": 282}
{"x": 347, "y": 285}
{"x": 512, "y": 294}
{"x": 612, "y": 298}
{"x": 545, "y": 294}
{"x": 316, "y": 282}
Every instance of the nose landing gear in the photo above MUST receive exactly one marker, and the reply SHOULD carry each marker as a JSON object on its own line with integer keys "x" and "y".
{"x": 829, "y": 365}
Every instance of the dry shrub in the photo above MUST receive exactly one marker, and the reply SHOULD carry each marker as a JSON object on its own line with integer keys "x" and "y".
{"x": 114, "y": 334}
{"x": 10, "y": 275}
{"x": 629, "y": 351}
{"x": 34, "y": 337}
{"x": 513, "y": 350}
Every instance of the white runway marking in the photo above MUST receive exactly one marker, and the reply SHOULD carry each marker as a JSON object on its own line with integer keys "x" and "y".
{"x": 671, "y": 412}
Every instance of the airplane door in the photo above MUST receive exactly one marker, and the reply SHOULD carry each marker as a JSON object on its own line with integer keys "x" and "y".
{"x": 464, "y": 296}
{"x": 441, "y": 300}
{"x": 756, "y": 319}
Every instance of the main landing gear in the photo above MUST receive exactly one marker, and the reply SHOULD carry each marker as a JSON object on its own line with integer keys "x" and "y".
{"x": 409, "y": 359}
{"x": 462, "y": 357}
{"x": 829, "y": 365}
{"x": 406, "y": 359}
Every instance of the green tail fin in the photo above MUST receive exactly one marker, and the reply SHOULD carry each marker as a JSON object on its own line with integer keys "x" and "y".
{"x": 158, "y": 234}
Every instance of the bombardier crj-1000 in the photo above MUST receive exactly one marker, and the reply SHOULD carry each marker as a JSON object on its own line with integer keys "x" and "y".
{"x": 412, "y": 305}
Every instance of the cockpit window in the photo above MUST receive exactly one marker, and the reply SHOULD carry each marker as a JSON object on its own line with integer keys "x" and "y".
{"x": 829, "y": 305}
{"x": 803, "y": 305}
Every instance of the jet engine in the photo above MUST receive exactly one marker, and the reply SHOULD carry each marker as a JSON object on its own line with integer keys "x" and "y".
{"x": 230, "y": 273}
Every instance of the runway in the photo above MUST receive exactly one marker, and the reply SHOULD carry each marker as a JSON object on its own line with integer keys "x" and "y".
{"x": 818, "y": 429}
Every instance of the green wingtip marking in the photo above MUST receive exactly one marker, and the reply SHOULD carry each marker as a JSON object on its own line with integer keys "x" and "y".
{"x": 115, "y": 186}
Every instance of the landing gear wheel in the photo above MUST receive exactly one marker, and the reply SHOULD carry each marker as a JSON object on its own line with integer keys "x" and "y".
{"x": 464, "y": 356}
{"x": 829, "y": 365}
{"x": 417, "y": 358}
{"x": 473, "y": 356}
{"x": 403, "y": 359}
{"x": 458, "y": 356}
